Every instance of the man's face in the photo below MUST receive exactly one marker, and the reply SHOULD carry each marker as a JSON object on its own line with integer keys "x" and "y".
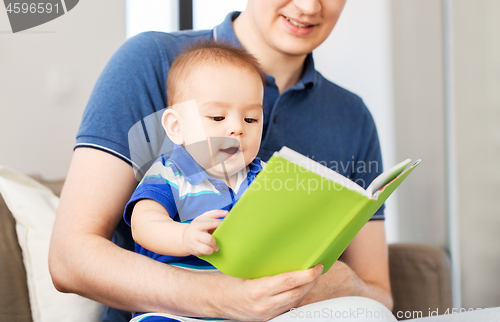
{"x": 229, "y": 114}
{"x": 294, "y": 27}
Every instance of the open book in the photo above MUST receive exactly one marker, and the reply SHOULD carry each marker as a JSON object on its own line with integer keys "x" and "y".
{"x": 296, "y": 214}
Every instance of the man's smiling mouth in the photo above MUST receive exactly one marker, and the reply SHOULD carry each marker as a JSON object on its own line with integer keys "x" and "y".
{"x": 297, "y": 24}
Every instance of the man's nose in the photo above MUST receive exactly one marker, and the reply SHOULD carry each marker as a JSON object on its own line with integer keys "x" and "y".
{"x": 308, "y": 7}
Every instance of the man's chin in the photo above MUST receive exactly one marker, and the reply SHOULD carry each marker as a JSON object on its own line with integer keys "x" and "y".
{"x": 293, "y": 46}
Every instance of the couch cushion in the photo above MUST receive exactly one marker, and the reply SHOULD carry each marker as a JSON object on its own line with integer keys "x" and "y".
{"x": 54, "y": 185}
{"x": 33, "y": 207}
{"x": 420, "y": 279}
{"x": 15, "y": 305}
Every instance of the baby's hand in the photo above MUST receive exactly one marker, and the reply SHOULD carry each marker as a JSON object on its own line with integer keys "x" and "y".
{"x": 198, "y": 237}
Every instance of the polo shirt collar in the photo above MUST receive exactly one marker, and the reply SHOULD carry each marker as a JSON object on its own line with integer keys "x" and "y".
{"x": 308, "y": 78}
{"x": 188, "y": 167}
{"x": 225, "y": 32}
{"x": 194, "y": 173}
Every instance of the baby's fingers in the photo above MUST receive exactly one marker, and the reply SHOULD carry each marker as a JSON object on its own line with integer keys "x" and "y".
{"x": 209, "y": 220}
{"x": 209, "y": 240}
{"x": 202, "y": 249}
{"x": 213, "y": 214}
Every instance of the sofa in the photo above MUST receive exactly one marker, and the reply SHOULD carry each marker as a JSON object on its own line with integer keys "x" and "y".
{"x": 420, "y": 274}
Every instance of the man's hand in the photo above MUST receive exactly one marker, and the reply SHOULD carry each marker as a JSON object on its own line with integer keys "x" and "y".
{"x": 198, "y": 237}
{"x": 264, "y": 298}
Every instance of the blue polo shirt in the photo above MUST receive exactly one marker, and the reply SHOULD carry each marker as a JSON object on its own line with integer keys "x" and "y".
{"x": 315, "y": 117}
{"x": 186, "y": 191}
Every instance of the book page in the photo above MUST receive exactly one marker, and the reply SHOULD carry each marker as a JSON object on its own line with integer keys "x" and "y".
{"x": 387, "y": 176}
{"x": 320, "y": 170}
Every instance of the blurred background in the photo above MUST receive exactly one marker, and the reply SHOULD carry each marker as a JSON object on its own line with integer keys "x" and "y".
{"x": 428, "y": 70}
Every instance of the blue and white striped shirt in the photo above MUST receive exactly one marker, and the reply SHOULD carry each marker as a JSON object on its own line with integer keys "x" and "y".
{"x": 186, "y": 191}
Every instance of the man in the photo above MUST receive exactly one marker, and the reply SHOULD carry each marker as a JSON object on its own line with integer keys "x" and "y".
{"x": 280, "y": 34}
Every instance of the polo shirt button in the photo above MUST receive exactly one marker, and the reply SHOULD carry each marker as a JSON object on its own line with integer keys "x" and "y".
{"x": 275, "y": 119}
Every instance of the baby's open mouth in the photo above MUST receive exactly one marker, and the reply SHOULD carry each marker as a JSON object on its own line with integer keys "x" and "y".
{"x": 230, "y": 150}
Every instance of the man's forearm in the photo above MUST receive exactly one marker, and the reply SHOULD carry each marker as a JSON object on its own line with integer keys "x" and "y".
{"x": 102, "y": 267}
{"x": 340, "y": 281}
{"x": 108, "y": 274}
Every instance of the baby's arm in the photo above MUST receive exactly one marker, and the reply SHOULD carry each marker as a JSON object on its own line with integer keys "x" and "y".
{"x": 153, "y": 229}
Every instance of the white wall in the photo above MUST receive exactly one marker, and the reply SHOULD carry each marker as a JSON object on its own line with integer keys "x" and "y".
{"x": 151, "y": 15}
{"x": 46, "y": 76}
{"x": 418, "y": 64}
{"x": 207, "y": 14}
{"x": 477, "y": 109}
{"x": 162, "y": 15}
{"x": 419, "y": 113}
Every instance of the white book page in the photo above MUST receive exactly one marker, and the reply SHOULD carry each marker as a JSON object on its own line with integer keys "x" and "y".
{"x": 387, "y": 176}
{"x": 320, "y": 170}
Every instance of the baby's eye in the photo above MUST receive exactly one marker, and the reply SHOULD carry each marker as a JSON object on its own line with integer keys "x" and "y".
{"x": 250, "y": 120}
{"x": 217, "y": 118}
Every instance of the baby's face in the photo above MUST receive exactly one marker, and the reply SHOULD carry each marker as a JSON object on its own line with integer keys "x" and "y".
{"x": 228, "y": 113}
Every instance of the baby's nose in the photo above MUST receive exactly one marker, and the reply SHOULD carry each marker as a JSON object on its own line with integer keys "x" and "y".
{"x": 236, "y": 128}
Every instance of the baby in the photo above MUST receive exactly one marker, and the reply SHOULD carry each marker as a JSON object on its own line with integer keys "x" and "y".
{"x": 215, "y": 92}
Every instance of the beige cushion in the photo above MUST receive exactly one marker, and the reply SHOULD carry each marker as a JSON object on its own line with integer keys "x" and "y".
{"x": 33, "y": 206}
{"x": 14, "y": 304}
{"x": 420, "y": 279}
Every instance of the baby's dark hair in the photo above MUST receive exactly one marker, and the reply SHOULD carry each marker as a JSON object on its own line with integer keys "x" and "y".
{"x": 202, "y": 53}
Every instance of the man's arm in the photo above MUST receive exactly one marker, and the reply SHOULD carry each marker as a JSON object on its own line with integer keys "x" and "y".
{"x": 362, "y": 271}
{"x": 83, "y": 260}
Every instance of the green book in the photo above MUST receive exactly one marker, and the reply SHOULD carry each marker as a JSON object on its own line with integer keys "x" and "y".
{"x": 297, "y": 213}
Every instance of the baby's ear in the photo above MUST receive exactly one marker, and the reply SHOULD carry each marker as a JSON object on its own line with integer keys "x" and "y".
{"x": 171, "y": 123}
